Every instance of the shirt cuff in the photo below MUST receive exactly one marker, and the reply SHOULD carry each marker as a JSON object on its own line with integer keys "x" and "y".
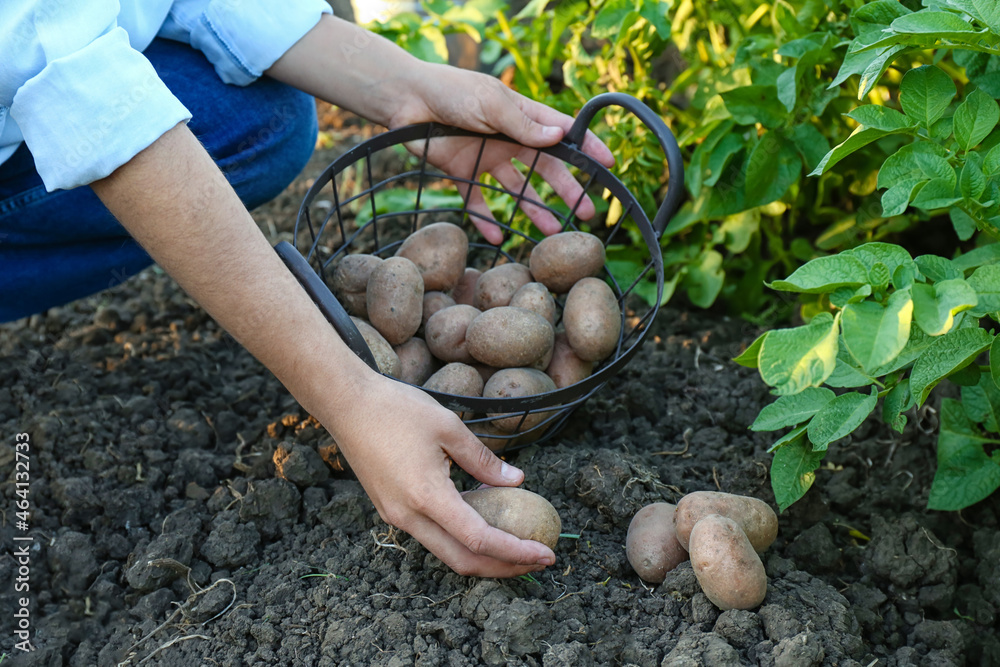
{"x": 244, "y": 39}
{"x": 82, "y": 121}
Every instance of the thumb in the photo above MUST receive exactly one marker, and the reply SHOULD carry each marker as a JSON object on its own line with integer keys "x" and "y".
{"x": 476, "y": 459}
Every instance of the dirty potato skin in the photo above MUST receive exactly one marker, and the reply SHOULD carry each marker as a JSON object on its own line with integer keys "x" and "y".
{"x": 457, "y": 379}
{"x": 561, "y": 260}
{"x": 465, "y": 290}
{"x": 385, "y": 357}
{"x": 519, "y": 512}
{"x": 728, "y": 569}
{"x": 395, "y": 299}
{"x": 507, "y": 337}
{"x": 445, "y": 333}
{"x": 518, "y": 383}
{"x": 350, "y": 282}
{"x": 439, "y": 251}
{"x": 433, "y": 302}
{"x": 592, "y": 319}
{"x": 536, "y": 297}
{"x": 496, "y": 287}
{"x": 651, "y": 544}
{"x": 754, "y": 516}
{"x": 565, "y": 368}
{"x": 416, "y": 362}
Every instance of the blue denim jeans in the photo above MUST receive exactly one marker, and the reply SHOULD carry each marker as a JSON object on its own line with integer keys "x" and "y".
{"x": 59, "y": 246}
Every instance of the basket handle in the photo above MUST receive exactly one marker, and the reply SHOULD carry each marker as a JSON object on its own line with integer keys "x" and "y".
{"x": 675, "y": 188}
{"x": 328, "y": 304}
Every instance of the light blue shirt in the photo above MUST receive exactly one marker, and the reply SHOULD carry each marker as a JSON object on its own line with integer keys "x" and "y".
{"x": 76, "y": 88}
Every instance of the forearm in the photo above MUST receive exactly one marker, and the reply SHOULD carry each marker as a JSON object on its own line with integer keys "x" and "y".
{"x": 353, "y": 68}
{"x": 174, "y": 200}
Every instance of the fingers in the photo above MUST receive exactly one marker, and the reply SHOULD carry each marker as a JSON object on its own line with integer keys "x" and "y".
{"x": 514, "y": 180}
{"x": 546, "y": 115}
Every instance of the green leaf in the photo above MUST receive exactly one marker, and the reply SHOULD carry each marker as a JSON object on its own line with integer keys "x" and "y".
{"x": 965, "y": 474}
{"x": 982, "y": 402}
{"x": 904, "y": 275}
{"x": 935, "y": 306}
{"x": 704, "y": 279}
{"x": 847, "y": 376}
{"x": 657, "y": 13}
{"x": 945, "y": 355}
{"x": 926, "y": 22}
{"x": 966, "y": 376}
{"x": 791, "y": 436}
{"x": 881, "y": 118}
{"x": 919, "y": 161}
{"x": 986, "y": 12}
{"x": 975, "y": 118}
{"x": 897, "y": 198}
{"x": 991, "y": 165}
{"x": 937, "y": 268}
{"x": 749, "y": 356}
{"x": 982, "y": 256}
{"x": 896, "y": 402}
{"x": 995, "y": 361}
{"x": 773, "y": 166}
{"x": 840, "y": 417}
{"x": 917, "y": 345}
{"x": 937, "y": 193}
{"x": 793, "y": 471}
{"x": 877, "y": 67}
{"x": 842, "y": 296}
{"x": 825, "y": 274}
{"x": 793, "y": 409}
{"x": 986, "y": 281}
{"x": 925, "y": 92}
{"x": 963, "y": 223}
{"x": 793, "y": 359}
{"x": 875, "y": 334}
{"x": 860, "y": 137}
{"x": 811, "y": 144}
{"x": 720, "y": 157}
{"x": 755, "y": 104}
{"x": 738, "y": 230}
{"x": 870, "y": 20}
{"x": 972, "y": 182}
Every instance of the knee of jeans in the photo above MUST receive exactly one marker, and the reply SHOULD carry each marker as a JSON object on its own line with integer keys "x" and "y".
{"x": 276, "y": 151}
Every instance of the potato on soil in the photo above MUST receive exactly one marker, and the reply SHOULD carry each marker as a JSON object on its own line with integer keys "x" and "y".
{"x": 754, "y": 516}
{"x": 385, "y": 357}
{"x": 561, "y": 260}
{"x": 517, "y": 383}
{"x": 465, "y": 290}
{"x": 508, "y": 337}
{"x": 651, "y": 544}
{"x": 416, "y": 362}
{"x": 519, "y": 512}
{"x": 592, "y": 319}
{"x": 728, "y": 569}
{"x": 395, "y": 299}
{"x": 496, "y": 287}
{"x": 350, "y": 282}
{"x": 536, "y": 297}
{"x": 439, "y": 251}
{"x": 458, "y": 379}
{"x": 433, "y": 302}
{"x": 566, "y": 368}
{"x": 445, "y": 333}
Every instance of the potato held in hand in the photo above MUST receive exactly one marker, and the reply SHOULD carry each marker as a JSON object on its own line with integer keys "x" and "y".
{"x": 561, "y": 260}
{"x": 592, "y": 319}
{"x": 395, "y": 299}
{"x": 439, "y": 251}
{"x": 651, "y": 544}
{"x": 727, "y": 567}
{"x": 754, "y": 516}
{"x": 521, "y": 513}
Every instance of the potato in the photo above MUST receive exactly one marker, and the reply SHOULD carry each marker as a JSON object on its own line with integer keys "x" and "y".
{"x": 536, "y": 297}
{"x": 445, "y": 333}
{"x": 416, "y": 362}
{"x": 439, "y": 251}
{"x": 385, "y": 357}
{"x": 566, "y": 368}
{"x": 592, "y": 319}
{"x": 543, "y": 361}
{"x": 727, "y": 567}
{"x": 350, "y": 282}
{"x": 485, "y": 371}
{"x": 395, "y": 299}
{"x": 465, "y": 290}
{"x": 561, "y": 260}
{"x": 457, "y": 379}
{"x": 651, "y": 544}
{"x": 516, "y": 383}
{"x": 508, "y": 337}
{"x": 754, "y": 516}
{"x": 433, "y": 302}
{"x": 496, "y": 287}
{"x": 519, "y": 512}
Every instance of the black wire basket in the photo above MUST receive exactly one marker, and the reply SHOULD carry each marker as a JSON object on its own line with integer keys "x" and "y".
{"x": 347, "y": 210}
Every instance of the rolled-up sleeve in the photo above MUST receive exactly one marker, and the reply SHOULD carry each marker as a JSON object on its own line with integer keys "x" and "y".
{"x": 83, "y": 99}
{"x": 242, "y": 38}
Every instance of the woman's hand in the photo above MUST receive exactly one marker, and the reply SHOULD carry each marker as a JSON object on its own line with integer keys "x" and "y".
{"x": 482, "y": 103}
{"x": 400, "y": 443}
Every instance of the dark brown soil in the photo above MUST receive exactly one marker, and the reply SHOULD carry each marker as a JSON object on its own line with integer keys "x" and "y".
{"x": 164, "y": 536}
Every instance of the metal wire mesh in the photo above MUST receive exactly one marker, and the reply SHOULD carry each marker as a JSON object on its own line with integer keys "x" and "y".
{"x": 375, "y": 195}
